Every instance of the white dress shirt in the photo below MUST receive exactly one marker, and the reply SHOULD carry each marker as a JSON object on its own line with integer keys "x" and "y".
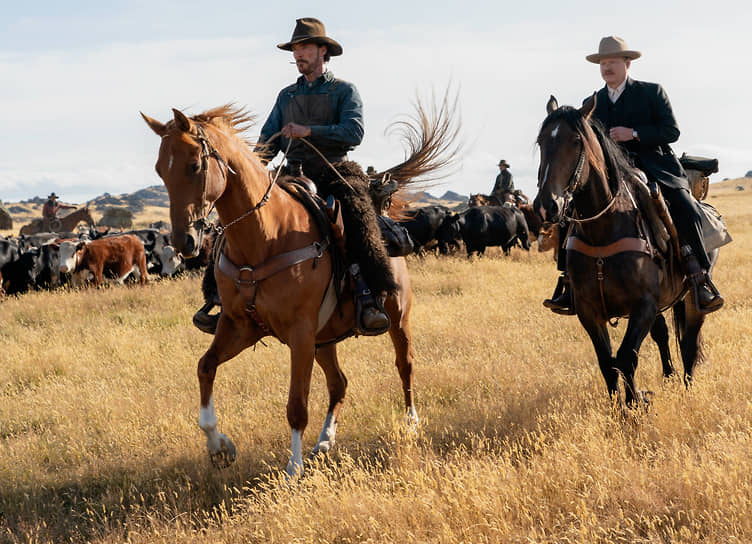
{"x": 614, "y": 94}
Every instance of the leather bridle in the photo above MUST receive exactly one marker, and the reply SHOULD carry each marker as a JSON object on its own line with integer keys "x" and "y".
{"x": 575, "y": 184}
{"x": 208, "y": 151}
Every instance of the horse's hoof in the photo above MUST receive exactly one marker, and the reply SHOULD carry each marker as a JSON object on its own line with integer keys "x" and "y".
{"x": 645, "y": 397}
{"x": 225, "y": 456}
{"x": 411, "y": 419}
{"x": 321, "y": 448}
{"x": 294, "y": 469}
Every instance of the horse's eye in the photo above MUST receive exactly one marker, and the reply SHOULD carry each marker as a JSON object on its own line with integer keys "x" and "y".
{"x": 196, "y": 167}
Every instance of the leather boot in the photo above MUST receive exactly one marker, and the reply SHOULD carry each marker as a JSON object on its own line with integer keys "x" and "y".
{"x": 561, "y": 302}
{"x": 370, "y": 317}
{"x": 706, "y": 295}
{"x": 373, "y": 318}
{"x": 204, "y": 321}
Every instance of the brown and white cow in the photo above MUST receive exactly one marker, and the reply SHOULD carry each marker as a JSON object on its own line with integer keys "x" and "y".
{"x": 118, "y": 256}
{"x": 548, "y": 238}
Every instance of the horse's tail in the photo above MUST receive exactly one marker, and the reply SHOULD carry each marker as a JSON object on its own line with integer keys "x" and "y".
{"x": 681, "y": 330}
{"x": 430, "y": 136}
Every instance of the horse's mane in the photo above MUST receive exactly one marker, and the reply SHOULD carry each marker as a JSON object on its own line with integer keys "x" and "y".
{"x": 235, "y": 120}
{"x": 617, "y": 164}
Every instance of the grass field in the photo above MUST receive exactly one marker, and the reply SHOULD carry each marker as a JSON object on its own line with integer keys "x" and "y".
{"x": 99, "y": 439}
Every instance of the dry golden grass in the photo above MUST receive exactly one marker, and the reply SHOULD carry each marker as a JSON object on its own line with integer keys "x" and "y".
{"x": 517, "y": 443}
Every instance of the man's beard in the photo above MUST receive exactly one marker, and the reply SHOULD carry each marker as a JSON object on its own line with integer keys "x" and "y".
{"x": 304, "y": 67}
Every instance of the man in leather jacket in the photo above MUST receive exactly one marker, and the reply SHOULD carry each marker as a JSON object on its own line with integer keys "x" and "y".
{"x": 639, "y": 117}
{"x": 328, "y": 113}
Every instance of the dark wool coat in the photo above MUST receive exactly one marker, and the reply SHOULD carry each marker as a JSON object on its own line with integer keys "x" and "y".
{"x": 645, "y": 107}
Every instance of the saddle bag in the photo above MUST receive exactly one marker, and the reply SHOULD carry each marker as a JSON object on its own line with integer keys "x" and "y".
{"x": 397, "y": 240}
{"x": 714, "y": 231}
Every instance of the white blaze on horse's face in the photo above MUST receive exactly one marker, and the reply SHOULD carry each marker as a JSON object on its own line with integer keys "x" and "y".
{"x": 555, "y": 132}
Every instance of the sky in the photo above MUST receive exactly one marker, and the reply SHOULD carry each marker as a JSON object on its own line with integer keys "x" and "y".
{"x": 74, "y": 76}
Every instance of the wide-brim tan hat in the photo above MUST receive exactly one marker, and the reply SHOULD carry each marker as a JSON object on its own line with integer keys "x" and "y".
{"x": 311, "y": 30}
{"x": 613, "y": 46}
{"x": 502, "y": 162}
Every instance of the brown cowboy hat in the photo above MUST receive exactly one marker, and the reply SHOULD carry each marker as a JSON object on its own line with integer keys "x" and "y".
{"x": 613, "y": 46}
{"x": 502, "y": 162}
{"x": 311, "y": 30}
{"x": 52, "y": 195}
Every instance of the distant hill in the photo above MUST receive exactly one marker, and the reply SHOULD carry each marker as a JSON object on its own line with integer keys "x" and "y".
{"x": 450, "y": 199}
{"x": 147, "y": 205}
{"x": 152, "y": 203}
{"x": 156, "y": 195}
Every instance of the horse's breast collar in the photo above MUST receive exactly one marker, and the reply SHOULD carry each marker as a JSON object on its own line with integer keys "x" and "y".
{"x": 247, "y": 278}
{"x": 638, "y": 245}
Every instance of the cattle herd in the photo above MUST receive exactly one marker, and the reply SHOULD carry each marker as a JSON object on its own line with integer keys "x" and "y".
{"x": 48, "y": 260}
{"x": 437, "y": 228}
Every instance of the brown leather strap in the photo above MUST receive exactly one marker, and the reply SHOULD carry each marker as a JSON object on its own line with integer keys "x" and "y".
{"x": 620, "y": 246}
{"x": 247, "y": 278}
{"x": 273, "y": 265}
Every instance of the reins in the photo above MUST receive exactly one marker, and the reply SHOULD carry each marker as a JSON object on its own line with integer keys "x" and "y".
{"x": 247, "y": 278}
{"x": 600, "y": 253}
{"x": 208, "y": 150}
{"x": 574, "y": 185}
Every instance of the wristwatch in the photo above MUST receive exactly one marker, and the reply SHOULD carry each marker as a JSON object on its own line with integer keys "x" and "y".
{"x": 635, "y": 135}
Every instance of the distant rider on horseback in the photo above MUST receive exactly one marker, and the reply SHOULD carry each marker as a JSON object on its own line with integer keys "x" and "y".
{"x": 49, "y": 212}
{"x": 328, "y": 113}
{"x": 504, "y": 184}
{"x": 639, "y": 117}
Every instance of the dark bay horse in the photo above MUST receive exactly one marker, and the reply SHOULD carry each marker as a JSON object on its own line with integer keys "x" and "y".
{"x": 60, "y": 224}
{"x": 613, "y": 268}
{"x": 204, "y": 163}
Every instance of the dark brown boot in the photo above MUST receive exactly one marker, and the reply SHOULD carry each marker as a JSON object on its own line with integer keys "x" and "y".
{"x": 706, "y": 295}
{"x": 370, "y": 317}
{"x": 561, "y": 302}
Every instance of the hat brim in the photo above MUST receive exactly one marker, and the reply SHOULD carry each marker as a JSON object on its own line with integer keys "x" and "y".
{"x": 332, "y": 46}
{"x": 597, "y": 57}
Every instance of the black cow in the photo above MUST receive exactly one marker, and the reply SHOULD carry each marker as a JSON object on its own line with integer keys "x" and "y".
{"x": 423, "y": 224}
{"x": 35, "y": 267}
{"x": 485, "y": 226}
{"x": 46, "y": 271}
{"x": 19, "y": 275}
{"x": 8, "y": 254}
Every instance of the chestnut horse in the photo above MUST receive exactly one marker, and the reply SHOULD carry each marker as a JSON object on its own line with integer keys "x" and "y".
{"x": 612, "y": 264}
{"x": 60, "y": 224}
{"x": 204, "y": 163}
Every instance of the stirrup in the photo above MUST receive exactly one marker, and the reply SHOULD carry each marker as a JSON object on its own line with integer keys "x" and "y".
{"x": 364, "y": 301}
{"x": 204, "y": 321}
{"x": 562, "y": 301}
{"x": 696, "y": 285}
{"x": 698, "y": 279}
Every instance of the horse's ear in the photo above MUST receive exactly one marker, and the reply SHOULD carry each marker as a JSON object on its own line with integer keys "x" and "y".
{"x": 182, "y": 122}
{"x": 155, "y": 125}
{"x": 588, "y": 107}
{"x": 552, "y": 104}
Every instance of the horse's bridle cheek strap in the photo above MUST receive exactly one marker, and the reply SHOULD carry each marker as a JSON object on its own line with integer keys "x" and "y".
{"x": 575, "y": 181}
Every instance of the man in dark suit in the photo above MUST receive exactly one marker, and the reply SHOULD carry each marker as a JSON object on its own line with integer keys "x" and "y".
{"x": 639, "y": 117}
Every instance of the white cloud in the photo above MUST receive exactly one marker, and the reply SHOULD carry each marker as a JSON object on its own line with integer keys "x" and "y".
{"x": 71, "y": 122}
